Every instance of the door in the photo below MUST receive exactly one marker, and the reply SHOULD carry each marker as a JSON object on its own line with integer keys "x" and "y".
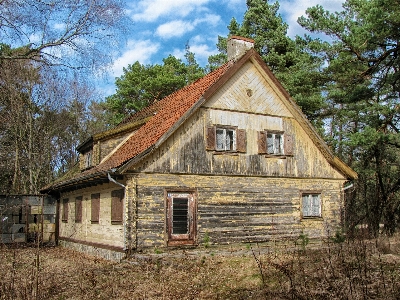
{"x": 181, "y": 218}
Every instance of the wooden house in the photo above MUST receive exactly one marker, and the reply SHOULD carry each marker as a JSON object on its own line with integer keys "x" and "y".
{"x": 230, "y": 158}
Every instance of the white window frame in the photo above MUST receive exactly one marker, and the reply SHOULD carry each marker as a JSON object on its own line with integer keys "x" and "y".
{"x": 275, "y": 146}
{"x": 311, "y": 205}
{"x": 226, "y": 144}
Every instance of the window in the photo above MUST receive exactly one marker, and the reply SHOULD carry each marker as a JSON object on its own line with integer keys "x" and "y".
{"x": 78, "y": 209}
{"x": 117, "y": 210}
{"x": 275, "y": 143}
{"x": 181, "y": 218}
{"x": 226, "y": 139}
{"x": 88, "y": 159}
{"x": 65, "y": 210}
{"x": 95, "y": 208}
{"x": 311, "y": 205}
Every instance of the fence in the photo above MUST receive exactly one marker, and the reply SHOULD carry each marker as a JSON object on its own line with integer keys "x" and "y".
{"x": 24, "y": 218}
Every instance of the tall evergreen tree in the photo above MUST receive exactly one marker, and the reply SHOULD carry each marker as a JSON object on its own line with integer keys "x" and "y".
{"x": 295, "y": 67}
{"x": 142, "y": 85}
{"x": 362, "y": 65}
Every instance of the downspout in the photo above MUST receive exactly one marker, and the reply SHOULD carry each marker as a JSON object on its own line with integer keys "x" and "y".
{"x": 125, "y": 221}
{"x": 344, "y": 202}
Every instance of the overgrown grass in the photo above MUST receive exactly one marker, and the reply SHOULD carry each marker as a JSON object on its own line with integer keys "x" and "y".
{"x": 358, "y": 269}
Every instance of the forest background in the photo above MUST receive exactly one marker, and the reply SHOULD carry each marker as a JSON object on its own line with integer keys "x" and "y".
{"x": 344, "y": 74}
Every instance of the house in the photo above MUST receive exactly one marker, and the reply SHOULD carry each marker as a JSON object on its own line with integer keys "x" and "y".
{"x": 230, "y": 158}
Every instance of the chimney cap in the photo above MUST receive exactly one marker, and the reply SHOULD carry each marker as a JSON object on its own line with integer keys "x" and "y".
{"x": 237, "y": 37}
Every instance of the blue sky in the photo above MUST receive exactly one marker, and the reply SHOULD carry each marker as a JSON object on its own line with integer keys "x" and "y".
{"x": 163, "y": 27}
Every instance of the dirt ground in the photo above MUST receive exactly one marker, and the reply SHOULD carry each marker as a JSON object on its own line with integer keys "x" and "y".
{"x": 350, "y": 270}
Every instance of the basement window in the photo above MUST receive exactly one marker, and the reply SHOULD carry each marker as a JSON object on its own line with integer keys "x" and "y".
{"x": 226, "y": 139}
{"x": 311, "y": 205}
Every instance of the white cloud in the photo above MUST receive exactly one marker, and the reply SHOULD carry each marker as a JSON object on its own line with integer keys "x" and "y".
{"x": 174, "y": 29}
{"x": 135, "y": 51}
{"x": 151, "y": 10}
{"x": 178, "y": 28}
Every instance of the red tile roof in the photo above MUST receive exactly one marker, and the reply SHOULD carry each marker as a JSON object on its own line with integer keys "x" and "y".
{"x": 165, "y": 113}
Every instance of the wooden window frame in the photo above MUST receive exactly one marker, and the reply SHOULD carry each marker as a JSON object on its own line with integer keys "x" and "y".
{"x": 78, "y": 209}
{"x": 117, "y": 207}
{"x": 239, "y": 143}
{"x": 190, "y": 237}
{"x": 64, "y": 217}
{"x": 95, "y": 208}
{"x": 286, "y": 143}
{"x": 308, "y": 196}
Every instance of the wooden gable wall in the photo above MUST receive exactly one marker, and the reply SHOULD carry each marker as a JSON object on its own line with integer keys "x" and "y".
{"x": 250, "y": 103}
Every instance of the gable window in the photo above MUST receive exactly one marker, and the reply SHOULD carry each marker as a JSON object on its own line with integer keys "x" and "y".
{"x": 78, "y": 209}
{"x": 88, "y": 159}
{"x": 95, "y": 208}
{"x": 311, "y": 205}
{"x": 226, "y": 139}
{"x": 117, "y": 200}
{"x": 276, "y": 143}
{"x": 65, "y": 211}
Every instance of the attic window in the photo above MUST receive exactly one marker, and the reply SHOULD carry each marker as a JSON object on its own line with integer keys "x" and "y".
{"x": 226, "y": 139}
{"x": 275, "y": 143}
{"x": 88, "y": 159}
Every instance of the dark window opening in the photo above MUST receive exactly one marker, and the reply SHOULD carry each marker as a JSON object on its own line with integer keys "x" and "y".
{"x": 180, "y": 216}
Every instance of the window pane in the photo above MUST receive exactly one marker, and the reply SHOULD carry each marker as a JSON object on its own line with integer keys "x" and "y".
{"x": 220, "y": 139}
{"x": 316, "y": 205}
{"x": 306, "y": 206}
{"x": 270, "y": 143}
{"x": 230, "y": 140}
{"x": 278, "y": 144}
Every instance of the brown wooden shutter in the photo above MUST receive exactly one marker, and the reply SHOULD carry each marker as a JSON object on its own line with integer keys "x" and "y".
{"x": 117, "y": 206}
{"x": 262, "y": 142}
{"x": 95, "y": 215}
{"x": 241, "y": 140}
{"x": 210, "y": 138}
{"x": 288, "y": 144}
{"x": 65, "y": 211}
{"x": 78, "y": 209}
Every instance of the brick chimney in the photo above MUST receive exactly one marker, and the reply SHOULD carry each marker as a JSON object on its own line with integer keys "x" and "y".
{"x": 237, "y": 46}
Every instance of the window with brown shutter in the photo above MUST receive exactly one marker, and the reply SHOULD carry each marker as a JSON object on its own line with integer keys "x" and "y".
{"x": 65, "y": 210}
{"x": 275, "y": 143}
{"x": 95, "y": 208}
{"x": 78, "y": 209}
{"x": 117, "y": 197}
{"x": 226, "y": 139}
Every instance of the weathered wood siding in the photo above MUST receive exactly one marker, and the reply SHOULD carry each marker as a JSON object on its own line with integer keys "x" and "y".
{"x": 237, "y": 209}
{"x": 185, "y": 151}
{"x": 103, "y": 232}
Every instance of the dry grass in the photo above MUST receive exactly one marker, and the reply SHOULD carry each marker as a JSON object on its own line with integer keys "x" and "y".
{"x": 351, "y": 270}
